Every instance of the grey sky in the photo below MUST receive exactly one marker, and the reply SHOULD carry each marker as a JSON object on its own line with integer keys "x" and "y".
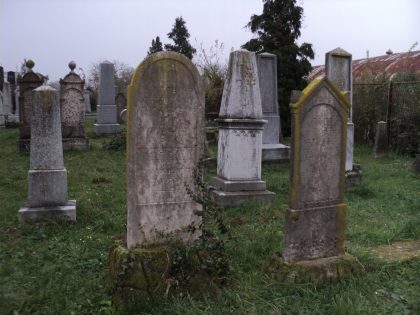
{"x": 53, "y": 32}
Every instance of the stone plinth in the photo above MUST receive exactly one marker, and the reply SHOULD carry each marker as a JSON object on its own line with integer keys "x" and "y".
{"x": 272, "y": 149}
{"x": 106, "y": 110}
{"x": 240, "y": 135}
{"x": 72, "y": 103}
{"x": 381, "y": 147}
{"x": 27, "y": 84}
{"x": 165, "y": 140}
{"x": 316, "y": 217}
{"x": 47, "y": 176}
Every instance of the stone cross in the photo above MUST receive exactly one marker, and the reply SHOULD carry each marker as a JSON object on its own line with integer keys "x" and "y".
{"x": 73, "y": 111}
{"x": 47, "y": 176}
{"x": 27, "y": 84}
{"x": 165, "y": 140}
{"x": 272, "y": 149}
{"x": 106, "y": 110}
{"x": 240, "y": 135}
{"x": 316, "y": 217}
{"x": 338, "y": 68}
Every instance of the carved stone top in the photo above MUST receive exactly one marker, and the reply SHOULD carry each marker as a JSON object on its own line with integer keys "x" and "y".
{"x": 72, "y": 65}
{"x": 29, "y": 65}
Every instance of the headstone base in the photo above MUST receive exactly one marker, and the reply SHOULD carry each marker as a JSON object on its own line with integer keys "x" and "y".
{"x": 235, "y": 198}
{"x": 163, "y": 271}
{"x": 318, "y": 271}
{"x": 238, "y": 185}
{"x": 23, "y": 145}
{"x": 353, "y": 178}
{"x": 78, "y": 144}
{"x": 275, "y": 152}
{"x": 66, "y": 212}
{"x": 104, "y": 129}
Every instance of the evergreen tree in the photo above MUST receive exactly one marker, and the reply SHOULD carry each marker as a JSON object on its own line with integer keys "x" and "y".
{"x": 180, "y": 35}
{"x": 277, "y": 30}
{"x": 156, "y": 46}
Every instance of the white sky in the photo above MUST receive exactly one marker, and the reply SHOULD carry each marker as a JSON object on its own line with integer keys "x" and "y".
{"x": 53, "y": 32}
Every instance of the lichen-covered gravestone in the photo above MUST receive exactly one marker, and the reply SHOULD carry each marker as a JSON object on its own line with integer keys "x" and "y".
{"x": 47, "y": 176}
{"x": 381, "y": 146}
{"x": 316, "y": 217}
{"x": 106, "y": 110}
{"x": 165, "y": 141}
{"x": 272, "y": 149}
{"x": 73, "y": 111}
{"x": 27, "y": 84}
{"x": 240, "y": 135}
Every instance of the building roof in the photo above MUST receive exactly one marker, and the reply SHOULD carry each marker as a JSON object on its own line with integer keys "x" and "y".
{"x": 386, "y": 65}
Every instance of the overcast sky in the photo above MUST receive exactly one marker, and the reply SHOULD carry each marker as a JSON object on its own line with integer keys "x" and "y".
{"x": 53, "y": 32}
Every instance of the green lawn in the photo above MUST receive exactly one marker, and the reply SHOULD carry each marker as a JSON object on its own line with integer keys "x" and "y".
{"x": 60, "y": 268}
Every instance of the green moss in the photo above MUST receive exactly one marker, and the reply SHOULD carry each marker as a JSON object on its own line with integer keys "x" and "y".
{"x": 318, "y": 271}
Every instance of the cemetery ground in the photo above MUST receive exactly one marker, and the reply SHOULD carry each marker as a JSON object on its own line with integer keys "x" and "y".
{"x": 60, "y": 268}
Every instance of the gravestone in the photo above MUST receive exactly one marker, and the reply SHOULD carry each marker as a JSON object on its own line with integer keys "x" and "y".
{"x": 47, "y": 176}
{"x": 88, "y": 107}
{"x": 316, "y": 217}
{"x": 72, "y": 103}
{"x": 165, "y": 140}
{"x": 272, "y": 149}
{"x": 121, "y": 102}
{"x": 11, "y": 78}
{"x": 7, "y": 114}
{"x": 240, "y": 135}
{"x": 1, "y": 78}
{"x": 106, "y": 110}
{"x": 27, "y": 84}
{"x": 381, "y": 147}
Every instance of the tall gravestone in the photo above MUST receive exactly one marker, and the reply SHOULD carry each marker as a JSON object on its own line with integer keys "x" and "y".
{"x": 27, "y": 84}
{"x": 72, "y": 103}
{"x": 12, "y": 79}
{"x": 165, "y": 140}
{"x": 316, "y": 217}
{"x": 272, "y": 149}
{"x": 106, "y": 110}
{"x": 47, "y": 176}
{"x": 240, "y": 135}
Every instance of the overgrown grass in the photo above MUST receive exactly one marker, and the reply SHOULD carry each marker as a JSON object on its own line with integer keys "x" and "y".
{"x": 59, "y": 268}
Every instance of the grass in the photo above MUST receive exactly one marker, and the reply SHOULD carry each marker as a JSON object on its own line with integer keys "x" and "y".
{"x": 60, "y": 268}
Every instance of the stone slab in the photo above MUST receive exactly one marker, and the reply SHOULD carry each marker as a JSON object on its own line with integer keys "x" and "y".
{"x": 76, "y": 144}
{"x": 66, "y": 212}
{"x": 275, "y": 152}
{"x": 226, "y": 198}
{"x": 106, "y": 114}
{"x": 399, "y": 251}
{"x": 238, "y": 185}
{"x": 105, "y": 129}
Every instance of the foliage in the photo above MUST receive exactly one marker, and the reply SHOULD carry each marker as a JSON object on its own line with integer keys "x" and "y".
{"x": 277, "y": 29}
{"x": 117, "y": 142}
{"x": 213, "y": 70}
{"x": 179, "y": 35}
{"x": 43, "y": 265}
{"x": 156, "y": 46}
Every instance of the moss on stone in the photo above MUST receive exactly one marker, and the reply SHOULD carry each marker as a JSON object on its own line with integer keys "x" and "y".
{"x": 319, "y": 271}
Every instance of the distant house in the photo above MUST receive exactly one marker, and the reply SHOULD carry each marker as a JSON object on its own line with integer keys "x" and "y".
{"x": 386, "y": 65}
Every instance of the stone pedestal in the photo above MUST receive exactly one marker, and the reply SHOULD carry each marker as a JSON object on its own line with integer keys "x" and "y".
{"x": 47, "y": 176}
{"x": 106, "y": 110}
{"x": 240, "y": 135}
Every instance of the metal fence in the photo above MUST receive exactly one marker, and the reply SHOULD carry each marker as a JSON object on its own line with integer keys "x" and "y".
{"x": 397, "y": 103}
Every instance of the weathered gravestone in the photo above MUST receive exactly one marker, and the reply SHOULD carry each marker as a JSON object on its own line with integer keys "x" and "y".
{"x": 88, "y": 106}
{"x": 316, "y": 217}
{"x": 11, "y": 78}
{"x": 27, "y": 84}
{"x": 272, "y": 149}
{"x": 106, "y": 110}
{"x": 338, "y": 68}
{"x": 381, "y": 147}
{"x": 240, "y": 135}
{"x": 73, "y": 111}
{"x": 121, "y": 102}
{"x": 165, "y": 140}
{"x": 47, "y": 176}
